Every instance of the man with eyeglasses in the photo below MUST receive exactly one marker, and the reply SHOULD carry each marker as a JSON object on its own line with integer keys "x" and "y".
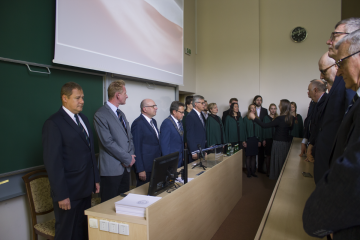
{"x": 334, "y": 205}
{"x": 172, "y": 131}
{"x": 146, "y": 141}
{"x": 195, "y": 126}
{"x": 334, "y": 108}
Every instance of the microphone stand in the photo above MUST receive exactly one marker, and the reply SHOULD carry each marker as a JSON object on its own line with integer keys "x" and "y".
{"x": 200, "y": 164}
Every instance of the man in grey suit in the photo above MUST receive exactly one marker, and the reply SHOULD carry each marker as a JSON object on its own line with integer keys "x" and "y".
{"x": 115, "y": 143}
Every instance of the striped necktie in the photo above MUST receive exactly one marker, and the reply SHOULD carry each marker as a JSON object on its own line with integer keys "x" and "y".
{"x": 153, "y": 126}
{"x": 82, "y": 129}
{"x": 121, "y": 119}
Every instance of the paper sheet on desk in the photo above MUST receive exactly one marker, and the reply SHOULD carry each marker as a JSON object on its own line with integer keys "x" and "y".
{"x": 182, "y": 181}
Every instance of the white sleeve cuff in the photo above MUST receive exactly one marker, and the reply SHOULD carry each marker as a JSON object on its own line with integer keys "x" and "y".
{"x": 305, "y": 141}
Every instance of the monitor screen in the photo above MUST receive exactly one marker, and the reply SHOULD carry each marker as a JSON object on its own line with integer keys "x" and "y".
{"x": 163, "y": 173}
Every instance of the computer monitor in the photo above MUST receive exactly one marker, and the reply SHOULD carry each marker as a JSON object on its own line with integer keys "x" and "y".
{"x": 163, "y": 173}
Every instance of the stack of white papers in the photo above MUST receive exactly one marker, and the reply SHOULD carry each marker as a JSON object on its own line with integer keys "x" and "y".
{"x": 135, "y": 204}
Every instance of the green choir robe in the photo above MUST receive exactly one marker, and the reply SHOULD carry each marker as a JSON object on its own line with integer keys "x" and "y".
{"x": 298, "y": 128}
{"x": 231, "y": 130}
{"x": 268, "y": 132}
{"x": 184, "y": 125}
{"x": 213, "y": 131}
{"x": 249, "y": 129}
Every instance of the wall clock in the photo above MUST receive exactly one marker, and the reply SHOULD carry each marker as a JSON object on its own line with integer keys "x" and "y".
{"x": 298, "y": 34}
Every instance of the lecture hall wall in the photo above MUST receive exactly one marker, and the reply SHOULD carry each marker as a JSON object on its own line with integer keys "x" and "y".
{"x": 244, "y": 49}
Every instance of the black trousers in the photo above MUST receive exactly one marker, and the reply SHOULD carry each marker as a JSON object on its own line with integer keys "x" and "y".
{"x": 261, "y": 158}
{"x": 139, "y": 182}
{"x": 112, "y": 186}
{"x": 72, "y": 224}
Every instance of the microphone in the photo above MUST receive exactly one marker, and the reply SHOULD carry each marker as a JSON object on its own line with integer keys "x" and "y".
{"x": 201, "y": 153}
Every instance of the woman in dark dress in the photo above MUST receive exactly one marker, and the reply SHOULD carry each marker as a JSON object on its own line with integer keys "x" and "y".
{"x": 298, "y": 127}
{"x": 268, "y": 134}
{"x": 253, "y": 139}
{"x": 214, "y": 127}
{"x": 282, "y": 138}
{"x": 234, "y": 126}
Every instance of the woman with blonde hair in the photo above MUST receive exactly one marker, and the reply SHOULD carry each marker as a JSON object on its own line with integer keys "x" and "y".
{"x": 298, "y": 128}
{"x": 282, "y": 138}
{"x": 268, "y": 134}
{"x": 214, "y": 127}
{"x": 253, "y": 139}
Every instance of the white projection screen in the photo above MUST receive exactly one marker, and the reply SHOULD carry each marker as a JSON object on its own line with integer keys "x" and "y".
{"x": 137, "y": 38}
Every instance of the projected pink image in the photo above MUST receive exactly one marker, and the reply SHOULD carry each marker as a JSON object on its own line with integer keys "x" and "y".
{"x": 146, "y": 33}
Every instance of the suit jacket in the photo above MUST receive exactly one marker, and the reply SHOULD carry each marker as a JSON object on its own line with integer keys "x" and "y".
{"x": 317, "y": 117}
{"x": 195, "y": 131}
{"x": 307, "y": 120}
{"x": 147, "y": 145}
{"x": 115, "y": 146}
{"x": 171, "y": 139}
{"x": 348, "y": 132}
{"x": 68, "y": 159}
{"x": 263, "y": 113}
{"x": 334, "y": 204}
{"x": 332, "y": 115}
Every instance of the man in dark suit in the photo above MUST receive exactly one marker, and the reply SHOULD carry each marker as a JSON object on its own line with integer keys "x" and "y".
{"x": 334, "y": 205}
{"x": 262, "y": 112}
{"x": 146, "y": 141}
{"x": 337, "y": 102}
{"x": 317, "y": 93}
{"x": 195, "y": 127}
{"x": 226, "y": 112}
{"x": 307, "y": 122}
{"x": 116, "y": 148}
{"x": 69, "y": 158}
{"x": 172, "y": 132}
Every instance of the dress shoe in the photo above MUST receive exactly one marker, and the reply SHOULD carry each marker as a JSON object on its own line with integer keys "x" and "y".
{"x": 254, "y": 175}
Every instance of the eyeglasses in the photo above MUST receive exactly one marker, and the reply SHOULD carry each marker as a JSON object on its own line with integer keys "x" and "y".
{"x": 332, "y": 35}
{"x": 203, "y": 103}
{"x": 153, "y": 106}
{"x": 323, "y": 71}
{"x": 338, "y": 63}
{"x": 180, "y": 112}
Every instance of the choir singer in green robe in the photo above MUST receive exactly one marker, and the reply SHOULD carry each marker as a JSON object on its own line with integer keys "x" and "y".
{"x": 234, "y": 126}
{"x": 214, "y": 127}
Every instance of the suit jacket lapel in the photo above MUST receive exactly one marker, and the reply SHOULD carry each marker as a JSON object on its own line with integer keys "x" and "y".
{"x": 176, "y": 126}
{"x": 116, "y": 118}
{"x": 149, "y": 126}
{"x": 198, "y": 118}
{"x": 71, "y": 122}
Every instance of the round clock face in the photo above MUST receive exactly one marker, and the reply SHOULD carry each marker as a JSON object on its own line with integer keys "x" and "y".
{"x": 298, "y": 34}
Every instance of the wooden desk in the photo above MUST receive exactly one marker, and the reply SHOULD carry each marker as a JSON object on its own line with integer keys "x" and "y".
{"x": 283, "y": 217}
{"x": 194, "y": 211}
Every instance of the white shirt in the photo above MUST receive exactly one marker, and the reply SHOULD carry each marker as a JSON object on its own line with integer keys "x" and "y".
{"x": 113, "y": 108}
{"x": 205, "y": 114}
{"x": 358, "y": 92}
{"x": 258, "y": 109}
{"x": 72, "y": 116}
{"x": 199, "y": 114}
{"x": 175, "y": 120}
{"x": 153, "y": 126}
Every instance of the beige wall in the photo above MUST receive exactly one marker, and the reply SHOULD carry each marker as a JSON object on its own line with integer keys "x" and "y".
{"x": 227, "y": 63}
{"x": 189, "y": 42}
{"x": 244, "y": 49}
{"x": 286, "y": 67}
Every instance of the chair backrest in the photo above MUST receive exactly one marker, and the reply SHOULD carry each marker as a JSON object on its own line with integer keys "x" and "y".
{"x": 38, "y": 193}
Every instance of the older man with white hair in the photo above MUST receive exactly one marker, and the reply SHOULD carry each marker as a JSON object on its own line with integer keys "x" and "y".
{"x": 334, "y": 205}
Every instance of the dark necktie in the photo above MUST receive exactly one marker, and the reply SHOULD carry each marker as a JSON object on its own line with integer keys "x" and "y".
{"x": 352, "y": 103}
{"x": 82, "y": 129}
{"x": 121, "y": 119}
{"x": 202, "y": 120}
{"x": 180, "y": 126}
{"x": 153, "y": 126}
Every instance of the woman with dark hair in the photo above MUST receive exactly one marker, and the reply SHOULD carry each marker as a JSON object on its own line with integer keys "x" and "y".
{"x": 234, "y": 126}
{"x": 282, "y": 138}
{"x": 252, "y": 142}
{"x": 189, "y": 107}
{"x": 298, "y": 128}
{"x": 268, "y": 134}
{"x": 214, "y": 127}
